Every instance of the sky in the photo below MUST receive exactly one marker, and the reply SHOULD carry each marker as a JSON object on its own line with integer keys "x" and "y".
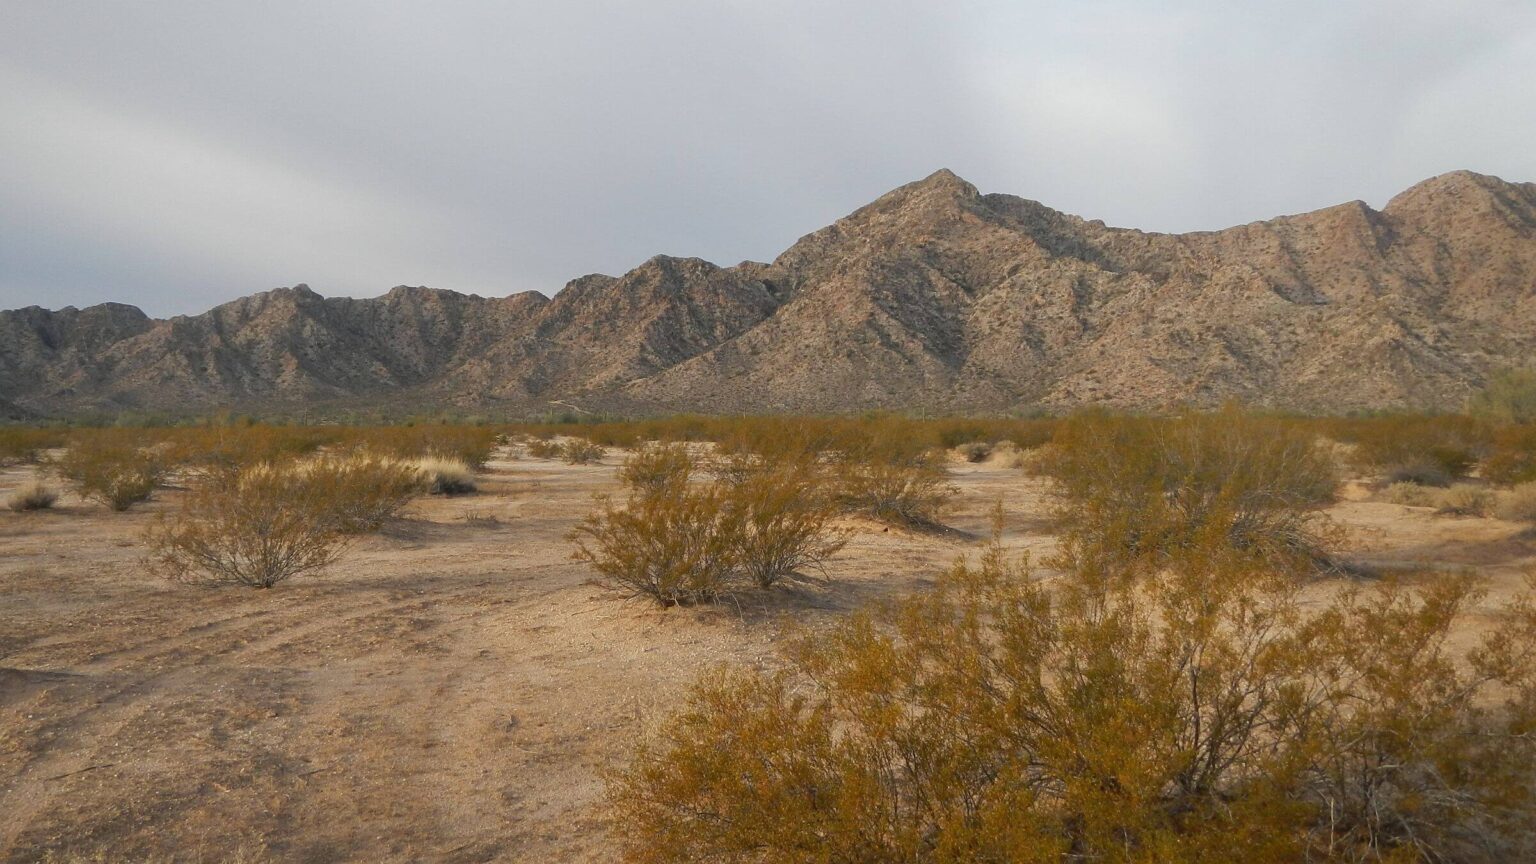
{"x": 176, "y": 155}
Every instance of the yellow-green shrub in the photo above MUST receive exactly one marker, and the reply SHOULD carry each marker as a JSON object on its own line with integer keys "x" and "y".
{"x": 256, "y": 526}
{"x": 1145, "y": 489}
{"x": 1196, "y": 714}
{"x": 115, "y": 467}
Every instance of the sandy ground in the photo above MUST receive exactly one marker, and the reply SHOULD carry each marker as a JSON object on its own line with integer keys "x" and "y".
{"x": 450, "y": 691}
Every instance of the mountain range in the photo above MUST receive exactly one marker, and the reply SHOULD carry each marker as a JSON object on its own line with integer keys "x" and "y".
{"x": 933, "y": 298}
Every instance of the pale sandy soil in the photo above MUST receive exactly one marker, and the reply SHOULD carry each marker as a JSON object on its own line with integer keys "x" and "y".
{"x": 450, "y": 691}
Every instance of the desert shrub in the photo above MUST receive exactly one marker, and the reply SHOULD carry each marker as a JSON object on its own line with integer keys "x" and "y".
{"x": 117, "y": 470}
{"x": 681, "y": 543}
{"x": 1509, "y": 396}
{"x": 1518, "y": 504}
{"x": 26, "y": 444}
{"x": 444, "y": 476}
{"x": 1411, "y": 495}
{"x": 975, "y": 451}
{"x": 656, "y": 467}
{"x": 472, "y": 445}
{"x": 783, "y": 518}
{"x": 255, "y": 526}
{"x": 226, "y": 445}
{"x": 1400, "y": 446}
{"x": 912, "y": 493}
{"x": 33, "y": 495}
{"x": 1465, "y": 499}
{"x": 676, "y": 549}
{"x": 362, "y": 490}
{"x": 580, "y": 451}
{"x": 1425, "y": 473}
{"x": 1141, "y": 489}
{"x": 1189, "y": 715}
{"x": 1513, "y": 455}
{"x": 543, "y": 448}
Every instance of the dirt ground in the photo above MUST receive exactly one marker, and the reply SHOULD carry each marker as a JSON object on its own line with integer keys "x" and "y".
{"x": 450, "y": 691}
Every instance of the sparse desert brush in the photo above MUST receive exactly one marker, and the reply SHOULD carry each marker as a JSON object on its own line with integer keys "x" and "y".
{"x": 974, "y": 451}
{"x": 1148, "y": 490}
{"x": 655, "y": 467}
{"x": 1519, "y": 504}
{"x": 1411, "y": 495}
{"x": 580, "y": 451}
{"x": 255, "y": 526}
{"x": 1200, "y": 713}
{"x": 224, "y": 445}
{"x": 543, "y": 448}
{"x": 1513, "y": 456}
{"x": 1465, "y": 499}
{"x": 1414, "y": 447}
{"x": 672, "y": 548}
{"x": 361, "y": 489}
{"x": 783, "y": 518}
{"x": 445, "y": 476}
{"x": 26, "y": 443}
{"x": 32, "y": 495}
{"x": 911, "y": 493}
{"x": 680, "y": 542}
{"x": 119, "y": 470}
{"x": 472, "y": 445}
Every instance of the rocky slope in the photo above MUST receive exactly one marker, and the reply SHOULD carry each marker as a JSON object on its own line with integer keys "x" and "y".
{"x": 934, "y": 297}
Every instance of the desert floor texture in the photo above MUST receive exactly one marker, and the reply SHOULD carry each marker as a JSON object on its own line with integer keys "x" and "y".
{"x": 452, "y": 690}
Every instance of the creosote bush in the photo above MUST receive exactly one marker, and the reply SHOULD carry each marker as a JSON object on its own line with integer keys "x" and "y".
{"x": 680, "y": 542}
{"x": 256, "y": 526}
{"x": 32, "y": 495}
{"x": 1465, "y": 499}
{"x": 116, "y": 469}
{"x": 1144, "y": 490}
{"x": 362, "y": 490}
{"x": 580, "y": 451}
{"x": 912, "y": 492}
{"x": 1195, "y": 713}
{"x": 1513, "y": 456}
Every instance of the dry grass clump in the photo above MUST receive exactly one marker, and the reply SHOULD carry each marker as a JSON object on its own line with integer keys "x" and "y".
{"x": 445, "y": 476}
{"x": 117, "y": 469}
{"x": 1200, "y": 713}
{"x": 256, "y": 526}
{"x": 1145, "y": 490}
{"x": 680, "y": 542}
{"x": 33, "y": 495}
{"x": 1518, "y": 504}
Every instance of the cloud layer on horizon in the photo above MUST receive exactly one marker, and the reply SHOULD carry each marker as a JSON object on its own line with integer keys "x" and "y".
{"x": 176, "y": 155}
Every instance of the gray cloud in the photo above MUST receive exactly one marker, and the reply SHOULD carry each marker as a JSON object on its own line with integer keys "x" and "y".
{"x": 177, "y": 155}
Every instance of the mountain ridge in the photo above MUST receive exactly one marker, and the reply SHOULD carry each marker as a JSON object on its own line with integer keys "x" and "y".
{"x": 933, "y": 297}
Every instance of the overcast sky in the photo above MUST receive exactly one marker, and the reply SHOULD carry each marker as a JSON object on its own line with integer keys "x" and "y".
{"x": 177, "y": 155}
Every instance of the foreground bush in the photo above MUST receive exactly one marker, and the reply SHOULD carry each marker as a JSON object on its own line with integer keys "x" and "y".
{"x": 1146, "y": 490}
{"x": 256, "y": 526}
{"x": 117, "y": 470}
{"x": 1198, "y": 714}
{"x": 656, "y": 467}
{"x": 34, "y": 495}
